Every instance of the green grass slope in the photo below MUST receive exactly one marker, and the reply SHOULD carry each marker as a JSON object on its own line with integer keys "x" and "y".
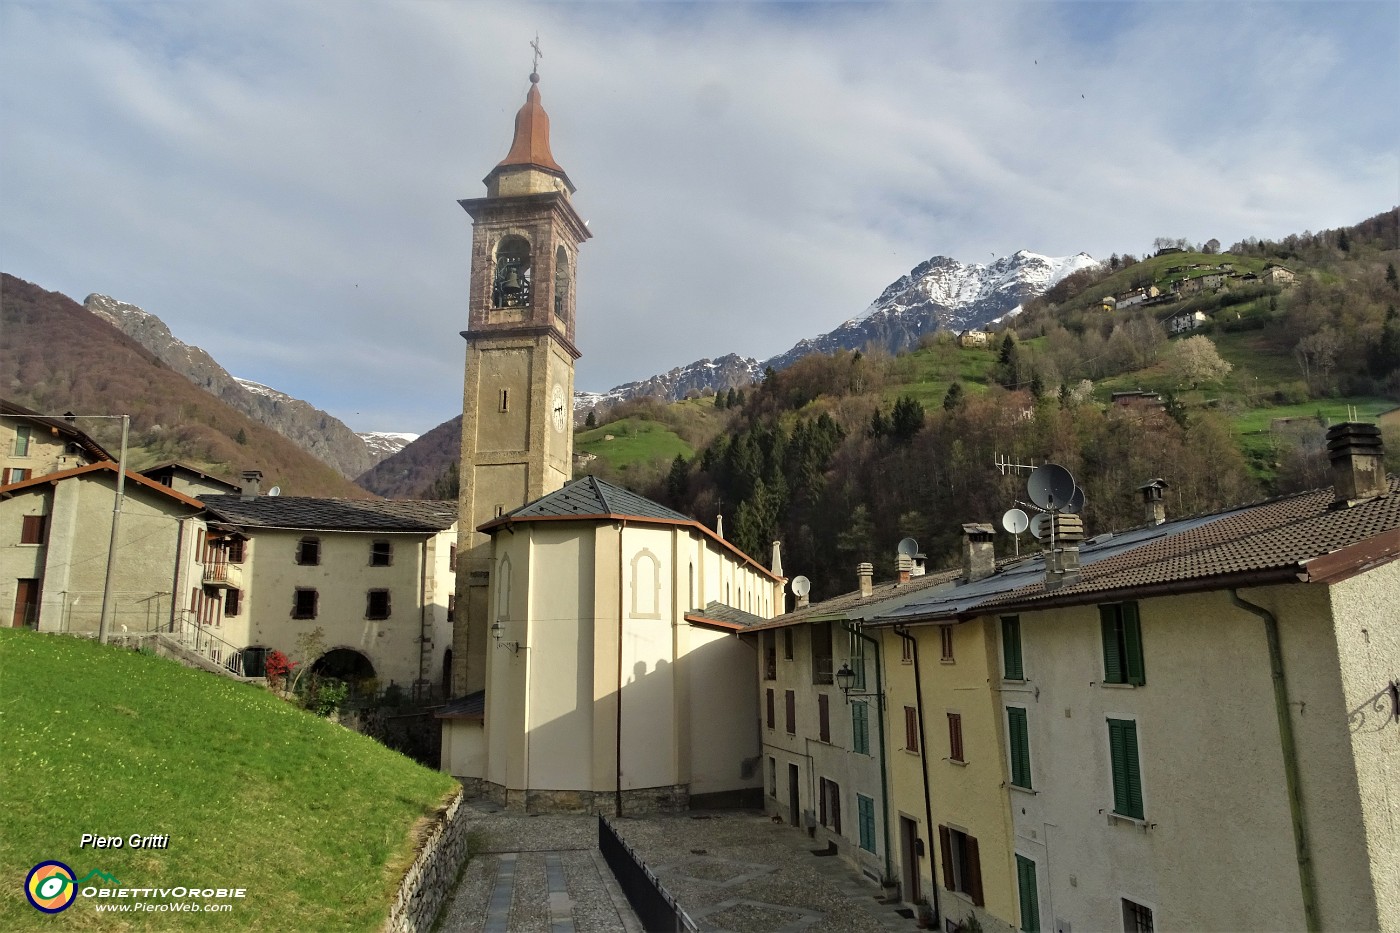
{"x": 313, "y": 820}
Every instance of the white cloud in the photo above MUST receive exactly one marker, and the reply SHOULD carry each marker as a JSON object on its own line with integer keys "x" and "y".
{"x": 278, "y": 183}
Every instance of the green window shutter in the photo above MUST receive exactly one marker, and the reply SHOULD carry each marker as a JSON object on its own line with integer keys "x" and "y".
{"x": 860, "y": 727}
{"x": 865, "y": 808}
{"x": 1030, "y": 897}
{"x": 1127, "y": 774}
{"x": 1011, "y": 647}
{"x": 1020, "y": 746}
{"x": 1112, "y": 656}
{"x": 1132, "y": 644}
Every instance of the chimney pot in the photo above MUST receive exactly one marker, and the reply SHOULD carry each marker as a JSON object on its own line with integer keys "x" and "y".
{"x": 1154, "y": 509}
{"x": 777, "y": 562}
{"x": 866, "y": 574}
{"x": 1062, "y": 561}
{"x": 1357, "y": 453}
{"x": 905, "y": 564}
{"x": 252, "y": 482}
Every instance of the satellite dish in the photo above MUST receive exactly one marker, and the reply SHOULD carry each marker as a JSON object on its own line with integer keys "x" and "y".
{"x": 908, "y": 547}
{"x": 275, "y": 491}
{"x": 1015, "y": 521}
{"x": 1076, "y": 502}
{"x": 1040, "y": 526}
{"x": 1050, "y": 486}
{"x": 801, "y": 586}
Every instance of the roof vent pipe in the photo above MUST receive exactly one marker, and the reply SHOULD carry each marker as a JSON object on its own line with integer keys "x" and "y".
{"x": 776, "y": 564}
{"x": 866, "y": 574}
{"x": 1154, "y": 509}
{"x": 1357, "y": 454}
{"x": 252, "y": 483}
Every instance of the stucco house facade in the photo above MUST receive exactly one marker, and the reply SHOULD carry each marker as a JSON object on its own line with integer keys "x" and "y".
{"x": 615, "y": 678}
{"x": 32, "y": 445}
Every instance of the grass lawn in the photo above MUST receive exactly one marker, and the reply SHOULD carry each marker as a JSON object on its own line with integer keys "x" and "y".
{"x": 634, "y": 441}
{"x": 313, "y": 820}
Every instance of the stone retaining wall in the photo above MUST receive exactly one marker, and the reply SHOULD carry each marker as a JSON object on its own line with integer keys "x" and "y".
{"x": 430, "y": 879}
{"x": 640, "y": 802}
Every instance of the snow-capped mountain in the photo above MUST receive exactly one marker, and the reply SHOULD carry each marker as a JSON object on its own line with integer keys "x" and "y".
{"x": 383, "y": 444}
{"x": 941, "y": 293}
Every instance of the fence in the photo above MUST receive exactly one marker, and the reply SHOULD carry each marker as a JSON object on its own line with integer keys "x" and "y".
{"x": 653, "y": 904}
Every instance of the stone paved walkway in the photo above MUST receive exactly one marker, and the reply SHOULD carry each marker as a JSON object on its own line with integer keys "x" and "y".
{"x": 732, "y": 871}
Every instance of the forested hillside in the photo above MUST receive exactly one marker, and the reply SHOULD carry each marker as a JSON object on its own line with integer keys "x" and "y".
{"x": 57, "y": 357}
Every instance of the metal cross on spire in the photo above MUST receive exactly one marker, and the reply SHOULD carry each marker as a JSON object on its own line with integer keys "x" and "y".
{"x": 538, "y": 54}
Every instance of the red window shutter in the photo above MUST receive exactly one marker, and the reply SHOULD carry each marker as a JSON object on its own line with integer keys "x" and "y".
{"x": 911, "y": 729}
{"x": 824, "y": 716}
{"x": 945, "y": 850}
{"x": 32, "y": 529}
{"x": 974, "y": 872}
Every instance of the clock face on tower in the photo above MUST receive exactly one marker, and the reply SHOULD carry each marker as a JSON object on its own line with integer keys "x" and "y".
{"x": 557, "y": 408}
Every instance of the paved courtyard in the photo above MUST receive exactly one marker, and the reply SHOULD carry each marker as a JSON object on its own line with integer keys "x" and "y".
{"x": 731, "y": 870}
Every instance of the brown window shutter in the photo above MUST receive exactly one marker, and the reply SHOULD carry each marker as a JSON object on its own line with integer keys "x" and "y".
{"x": 791, "y": 712}
{"x": 770, "y": 707}
{"x": 974, "y": 872}
{"x": 824, "y": 716}
{"x": 945, "y": 851}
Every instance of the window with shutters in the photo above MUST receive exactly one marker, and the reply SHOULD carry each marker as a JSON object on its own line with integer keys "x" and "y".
{"x": 857, "y": 646}
{"x": 23, "y": 434}
{"x": 235, "y": 550}
{"x": 770, "y": 655}
{"x": 233, "y": 599}
{"x": 1122, "y": 644}
{"x": 1018, "y": 736}
{"x": 790, "y": 711}
{"x": 829, "y": 797}
{"x": 1012, "y": 668}
{"x": 911, "y": 729}
{"x": 824, "y": 717}
{"x": 962, "y": 865}
{"x": 945, "y": 638}
{"x": 15, "y": 475}
{"x": 821, "y": 653}
{"x": 1030, "y": 896}
{"x": 771, "y": 719}
{"x": 32, "y": 529}
{"x": 860, "y": 728}
{"x": 955, "y": 737}
{"x": 906, "y": 651}
{"x": 865, "y": 813}
{"x": 309, "y": 552}
{"x": 1127, "y": 774}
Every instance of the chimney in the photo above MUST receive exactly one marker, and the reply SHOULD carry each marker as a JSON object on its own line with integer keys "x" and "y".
{"x": 1154, "y": 509}
{"x": 979, "y": 559}
{"x": 1062, "y": 561}
{"x": 1357, "y": 454}
{"x": 801, "y": 601}
{"x": 866, "y": 574}
{"x": 776, "y": 564}
{"x": 905, "y": 565}
{"x": 252, "y": 482}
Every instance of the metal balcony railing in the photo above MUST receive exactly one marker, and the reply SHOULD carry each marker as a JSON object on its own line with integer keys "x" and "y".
{"x": 223, "y": 574}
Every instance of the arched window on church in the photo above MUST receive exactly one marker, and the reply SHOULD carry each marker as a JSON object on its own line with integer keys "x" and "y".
{"x": 646, "y": 585}
{"x": 693, "y": 604}
{"x": 511, "y": 287}
{"x": 503, "y": 591}
{"x": 561, "y": 284}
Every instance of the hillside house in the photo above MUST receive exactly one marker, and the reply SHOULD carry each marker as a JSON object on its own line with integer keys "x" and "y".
{"x": 375, "y": 576}
{"x": 1175, "y": 708}
{"x": 32, "y": 445}
{"x": 974, "y": 339}
{"x": 1183, "y": 321}
{"x": 1138, "y": 400}
{"x": 1278, "y": 275}
{"x": 611, "y": 611}
{"x": 184, "y": 478}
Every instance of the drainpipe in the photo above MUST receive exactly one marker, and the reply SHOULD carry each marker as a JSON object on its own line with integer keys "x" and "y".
{"x": 424, "y": 626}
{"x": 903, "y": 633}
{"x": 1290, "y": 760}
{"x": 880, "y": 720}
{"x": 621, "y": 619}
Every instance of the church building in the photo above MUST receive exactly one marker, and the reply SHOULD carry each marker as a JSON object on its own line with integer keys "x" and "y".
{"x": 596, "y": 658}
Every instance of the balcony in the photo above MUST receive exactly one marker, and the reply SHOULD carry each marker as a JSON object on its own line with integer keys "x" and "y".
{"x": 223, "y": 574}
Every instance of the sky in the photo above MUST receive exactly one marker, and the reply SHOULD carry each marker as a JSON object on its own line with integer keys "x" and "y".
{"x": 278, "y": 181}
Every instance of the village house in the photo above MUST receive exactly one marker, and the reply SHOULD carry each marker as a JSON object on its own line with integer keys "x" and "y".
{"x": 973, "y": 339}
{"x": 1175, "y": 708}
{"x": 184, "y": 478}
{"x": 1275, "y": 274}
{"x": 1182, "y": 321}
{"x": 32, "y": 445}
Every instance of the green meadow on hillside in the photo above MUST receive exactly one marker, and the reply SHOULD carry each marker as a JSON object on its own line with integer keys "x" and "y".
{"x": 312, "y": 820}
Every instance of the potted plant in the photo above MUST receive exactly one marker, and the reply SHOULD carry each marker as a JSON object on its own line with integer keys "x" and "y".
{"x": 924, "y": 914}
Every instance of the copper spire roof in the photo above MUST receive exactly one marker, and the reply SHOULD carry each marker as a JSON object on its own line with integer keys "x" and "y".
{"x": 531, "y": 143}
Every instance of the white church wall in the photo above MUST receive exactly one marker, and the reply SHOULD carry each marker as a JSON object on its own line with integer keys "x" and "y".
{"x": 648, "y": 668}
{"x": 723, "y": 711}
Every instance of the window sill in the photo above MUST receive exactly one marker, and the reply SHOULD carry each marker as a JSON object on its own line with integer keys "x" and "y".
{"x": 911, "y": 751}
{"x": 956, "y": 761}
{"x": 947, "y": 661}
{"x": 1108, "y": 686}
{"x": 1024, "y": 790}
{"x": 1139, "y": 822}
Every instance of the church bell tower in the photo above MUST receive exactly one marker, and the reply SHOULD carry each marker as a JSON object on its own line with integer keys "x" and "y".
{"x": 517, "y": 404}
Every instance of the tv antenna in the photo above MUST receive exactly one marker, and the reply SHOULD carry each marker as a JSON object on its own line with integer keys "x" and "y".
{"x": 1004, "y": 465}
{"x": 1015, "y": 521}
{"x": 908, "y": 547}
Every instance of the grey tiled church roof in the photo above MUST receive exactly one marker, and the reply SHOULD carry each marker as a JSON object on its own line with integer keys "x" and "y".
{"x": 591, "y": 496}
{"x": 308, "y": 512}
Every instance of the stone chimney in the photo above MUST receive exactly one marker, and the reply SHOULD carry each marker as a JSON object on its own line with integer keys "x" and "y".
{"x": 1154, "y": 509}
{"x": 1358, "y": 469}
{"x": 776, "y": 564}
{"x": 1062, "y": 560}
{"x": 252, "y": 482}
{"x": 866, "y": 574}
{"x": 979, "y": 558}
{"x": 905, "y": 564}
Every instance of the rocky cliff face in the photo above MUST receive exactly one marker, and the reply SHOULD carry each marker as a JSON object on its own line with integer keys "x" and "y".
{"x": 729, "y": 371}
{"x": 323, "y": 436}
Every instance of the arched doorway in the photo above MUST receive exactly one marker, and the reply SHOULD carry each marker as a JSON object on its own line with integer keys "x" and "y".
{"x": 345, "y": 664}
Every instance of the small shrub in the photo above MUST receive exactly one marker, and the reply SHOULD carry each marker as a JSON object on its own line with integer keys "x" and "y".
{"x": 276, "y": 668}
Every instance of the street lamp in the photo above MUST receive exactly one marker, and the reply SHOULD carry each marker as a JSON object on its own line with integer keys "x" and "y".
{"x": 846, "y": 679}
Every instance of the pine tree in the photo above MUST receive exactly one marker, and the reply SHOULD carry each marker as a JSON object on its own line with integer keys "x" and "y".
{"x": 1391, "y": 278}
{"x": 591, "y": 421}
{"x": 907, "y": 419}
{"x": 720, "y": 400}
{"x": 241, "y": 437}
{"x": 678, "y": 480}
{"x": 732, "y": 399}
{"x": 879, "y": 424}
{"x": 954, "y": 398}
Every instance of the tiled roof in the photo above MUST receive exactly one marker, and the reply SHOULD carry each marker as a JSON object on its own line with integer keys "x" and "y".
{"x": 307, "y": 512}
{"x": 59, "y": 426}
{"x": 589, "y": 497}
{"x": 471, "y": 706}
{"x": 853, "y": 606}
{"x": 1295, "y": 538}
{"x": 724, "y": 616}
{"x": 102, "y": 466}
